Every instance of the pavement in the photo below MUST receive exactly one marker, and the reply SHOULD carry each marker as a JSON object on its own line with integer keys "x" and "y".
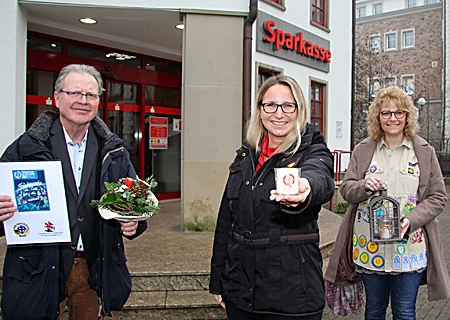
{"x": 165, "y": 249}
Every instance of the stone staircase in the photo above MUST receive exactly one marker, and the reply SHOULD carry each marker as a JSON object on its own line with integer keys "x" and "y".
{"x": 170, "y": 268}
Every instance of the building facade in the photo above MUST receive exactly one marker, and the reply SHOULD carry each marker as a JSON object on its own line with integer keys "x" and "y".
{"x": 407, "y": 38}
{"x": 178, "y": 97}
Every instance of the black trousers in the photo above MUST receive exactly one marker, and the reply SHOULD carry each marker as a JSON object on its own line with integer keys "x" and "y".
{"x": 234, "y": 313}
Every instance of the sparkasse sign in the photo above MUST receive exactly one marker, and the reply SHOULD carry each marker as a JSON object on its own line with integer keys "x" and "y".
{"x": 283, "y": 40}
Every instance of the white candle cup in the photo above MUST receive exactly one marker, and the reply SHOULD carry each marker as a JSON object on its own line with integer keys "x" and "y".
{"x": 286, "y": 180}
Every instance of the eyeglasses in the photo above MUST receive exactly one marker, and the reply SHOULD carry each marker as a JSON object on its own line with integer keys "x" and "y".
{"x": 399, "y": 114}
{"x": 287, "y": 107}
{"x": 77, "y": 95}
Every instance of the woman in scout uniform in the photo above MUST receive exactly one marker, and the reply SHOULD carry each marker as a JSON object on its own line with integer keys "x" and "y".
{"x": 392, "y": 158}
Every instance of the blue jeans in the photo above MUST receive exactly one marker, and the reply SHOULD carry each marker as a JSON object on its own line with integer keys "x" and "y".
{"x": 401, "y": 288}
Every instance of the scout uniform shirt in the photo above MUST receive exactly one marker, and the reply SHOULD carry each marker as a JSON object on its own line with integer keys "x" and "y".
{"x": 399, "y": 171}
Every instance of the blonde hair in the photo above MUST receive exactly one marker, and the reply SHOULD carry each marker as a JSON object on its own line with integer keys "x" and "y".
{"x": 403, "y": 102}
{"x": 256, "y": 131}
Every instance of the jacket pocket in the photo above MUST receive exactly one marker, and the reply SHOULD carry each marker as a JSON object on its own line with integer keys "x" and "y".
{"x": 234, "y": 181}
{"x": 26, "y": 280}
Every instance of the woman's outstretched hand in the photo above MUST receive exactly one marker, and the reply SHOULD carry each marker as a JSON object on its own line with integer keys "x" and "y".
{"x": 293, "y": 200}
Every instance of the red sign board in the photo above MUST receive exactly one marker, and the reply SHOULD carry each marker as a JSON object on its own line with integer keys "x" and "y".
{"x": 158, "y": 133}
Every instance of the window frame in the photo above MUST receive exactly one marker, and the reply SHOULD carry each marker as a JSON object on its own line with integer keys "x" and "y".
{"x": 377, "y": 5}
{"x": 408, "y": 4}
{"x": 267, "y": 69}
{"x": 371, "y": 37}
{"x": 386, "y": 42}
{"x": 404, "y": 83}
{"x": 325, "y": 14}
{"x": 388, "y": 83}
{"x": 407, "y": 31}
{"x": 358, "y": 12}
{"x": 371, "y": 83}
{"x": 313, "y": 82}
{"x": 280, "y": 4}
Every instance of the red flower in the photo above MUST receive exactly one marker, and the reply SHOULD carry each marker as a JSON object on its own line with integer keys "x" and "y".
{"x": 129, "y": 182}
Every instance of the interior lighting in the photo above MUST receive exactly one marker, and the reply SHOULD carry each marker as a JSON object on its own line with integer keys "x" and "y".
{"x": 180, "y": 26}
{"x": 119, "y": 56}
{"x": 53, "y": 45}
{"x": 88, "y": 21}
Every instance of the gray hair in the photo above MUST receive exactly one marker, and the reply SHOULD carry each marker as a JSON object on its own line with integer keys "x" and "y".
{"x": 80, "y": 68}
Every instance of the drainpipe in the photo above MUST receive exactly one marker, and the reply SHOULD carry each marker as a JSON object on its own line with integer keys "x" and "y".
{"x": 352, "y": 108}
{"x": 247, "y": 81}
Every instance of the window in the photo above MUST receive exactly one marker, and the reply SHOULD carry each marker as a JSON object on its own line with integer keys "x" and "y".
{"x": 361, "y": 12}
{"x": 374, "y": 86}
{"x": 408, "y": 84}
{"x": 377, "y": 8}
{"x": 265, "y": 72}
{"x": 432, "y": 1}
{"x": 390, "y": 81}
{"x": 318, "y": 12}
{"x": 276, "y": 3}
{"x": 317, "y": 105}
{"x": 411, "y": 3}
{"x": 390, "y": 41}
{"x": 374, "y": 44}
{"x": 407, "y": 39}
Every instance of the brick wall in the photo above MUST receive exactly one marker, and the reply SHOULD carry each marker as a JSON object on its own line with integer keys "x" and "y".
{"x": 427, "y": 26}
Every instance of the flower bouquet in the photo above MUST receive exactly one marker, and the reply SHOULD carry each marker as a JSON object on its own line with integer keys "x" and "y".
{"x": 128, "y": 200}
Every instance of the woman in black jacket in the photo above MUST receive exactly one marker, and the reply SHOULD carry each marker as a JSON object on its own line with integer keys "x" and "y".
{"x": 266, "y": 261}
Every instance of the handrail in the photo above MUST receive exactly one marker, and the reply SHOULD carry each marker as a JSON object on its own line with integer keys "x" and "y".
{"x": 337, "y": 153}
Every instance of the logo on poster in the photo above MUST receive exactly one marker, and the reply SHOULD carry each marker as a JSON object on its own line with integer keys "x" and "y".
{"x": 21, "y": 229}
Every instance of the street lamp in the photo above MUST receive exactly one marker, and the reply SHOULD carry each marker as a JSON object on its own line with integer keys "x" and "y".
{"x": 421, "y": 102}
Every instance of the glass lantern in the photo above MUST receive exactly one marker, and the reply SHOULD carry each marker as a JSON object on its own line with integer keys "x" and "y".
{"x": 384, "y": 214}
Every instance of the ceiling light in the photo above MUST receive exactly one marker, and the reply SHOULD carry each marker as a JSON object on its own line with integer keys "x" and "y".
{"x": 53, "y": 45}
{"x": 88, "y": 21}
{"x": 180, "y": 26}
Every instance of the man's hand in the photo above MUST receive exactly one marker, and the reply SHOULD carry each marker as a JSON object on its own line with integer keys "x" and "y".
{"x": 128, "y": 228}
{"x": 218, "y": 298}
{"x": 293, "y": 200}
{"x": 7, "y": 207}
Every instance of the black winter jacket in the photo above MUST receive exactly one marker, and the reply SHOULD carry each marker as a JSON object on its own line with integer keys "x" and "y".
{"x": 33, "y": 280}
{"x": 266, "y": 256}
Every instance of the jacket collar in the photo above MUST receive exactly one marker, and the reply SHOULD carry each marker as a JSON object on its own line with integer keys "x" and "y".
{"x": 40, "y": 129}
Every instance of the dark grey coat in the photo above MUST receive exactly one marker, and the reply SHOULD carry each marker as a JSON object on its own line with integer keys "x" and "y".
{"x": 34, "y": 276}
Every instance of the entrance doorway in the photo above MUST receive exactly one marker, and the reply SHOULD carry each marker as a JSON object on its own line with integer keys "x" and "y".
{"x": 134, "y": 91}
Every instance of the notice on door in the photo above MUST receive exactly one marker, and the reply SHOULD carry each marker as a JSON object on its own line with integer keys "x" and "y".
{"x": 158, "y": 132}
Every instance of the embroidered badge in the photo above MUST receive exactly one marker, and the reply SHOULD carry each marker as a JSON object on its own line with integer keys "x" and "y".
{"x": 405, "y": 264}
{"x": 378, "y": 262}
{"x": 409, "y": 206}
{"x": 355, "y": 239}
{"x": 421, "y": 259}
{"x": 396, "y": 262}
{"x": 364, "y": 258}
{"x": 405, "y": 239}
{"x": 372, "y": 247}
{"x": 355, "y": 254}
{"x": 373, "y": 169}
{"x": 366, "y": 216}
{"x": 362, "y": 241}
{"x": 414, "y": 261}
{"x": 401, "y": 249}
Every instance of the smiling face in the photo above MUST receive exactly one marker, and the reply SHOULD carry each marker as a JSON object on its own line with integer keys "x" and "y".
{"x": 76, "y": 113}
{"x": 392, "y": 127}
{"x": 278, "y": 124}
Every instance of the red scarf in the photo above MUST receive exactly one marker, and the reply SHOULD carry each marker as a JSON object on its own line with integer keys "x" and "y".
{"x": 265, "y": 152}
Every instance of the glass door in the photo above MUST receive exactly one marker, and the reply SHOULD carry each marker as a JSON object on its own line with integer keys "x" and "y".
{"x": 122, "y": 115}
